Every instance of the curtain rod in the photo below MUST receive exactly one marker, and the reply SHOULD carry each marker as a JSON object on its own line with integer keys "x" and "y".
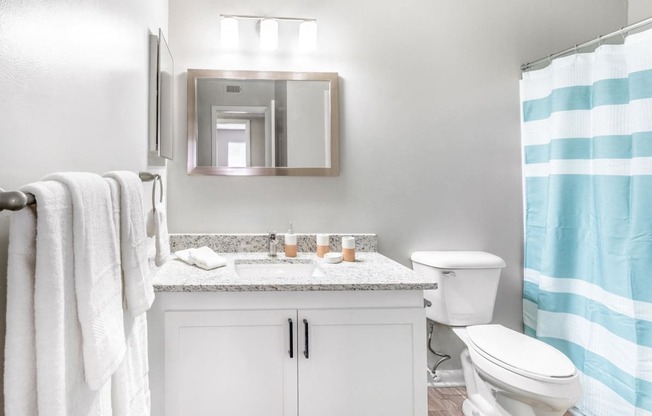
{"x": 623, "y": 30}
{"x": 16, "y": 200}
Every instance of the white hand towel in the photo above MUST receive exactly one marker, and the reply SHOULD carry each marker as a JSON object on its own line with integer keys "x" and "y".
{"x": 184, "y": 255}
{"x": 157, "y": 226}
{"x": 20, "y": 340}
{"x": 61, "y": 387}
{"x": 206, "y": 258}
{"x": 97, "y": 275}
{"x": 133, "y": 243}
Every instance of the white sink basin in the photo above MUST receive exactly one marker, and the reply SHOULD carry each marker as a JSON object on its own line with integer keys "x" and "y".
{"x": 278, "y": 268}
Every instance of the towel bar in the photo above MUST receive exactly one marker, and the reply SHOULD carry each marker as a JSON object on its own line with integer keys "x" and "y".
{"x": 16, "y": 200}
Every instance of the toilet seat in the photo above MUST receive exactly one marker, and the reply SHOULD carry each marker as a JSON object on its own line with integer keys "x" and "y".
{"x": 515, "y": 368}
{"x": 520, "y": 354}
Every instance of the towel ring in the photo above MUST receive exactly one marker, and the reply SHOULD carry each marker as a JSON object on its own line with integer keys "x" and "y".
{"x": 159, "y": 180}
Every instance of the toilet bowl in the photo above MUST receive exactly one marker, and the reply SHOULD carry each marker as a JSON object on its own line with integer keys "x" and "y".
{"x": 506, "y": 372}
{"x": 525, "y": 376}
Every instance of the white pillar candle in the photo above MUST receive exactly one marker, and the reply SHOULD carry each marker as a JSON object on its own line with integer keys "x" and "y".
{"x": 323, "y": 239}
{"x": 323, "y": 243}
{"x": 348, "y": 248}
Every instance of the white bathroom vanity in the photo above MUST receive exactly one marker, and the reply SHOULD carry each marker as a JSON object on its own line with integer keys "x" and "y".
{"x": 347, "y": 340}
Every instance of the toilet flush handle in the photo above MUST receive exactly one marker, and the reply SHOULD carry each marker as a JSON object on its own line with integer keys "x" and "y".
{"x": 448, "y": 273}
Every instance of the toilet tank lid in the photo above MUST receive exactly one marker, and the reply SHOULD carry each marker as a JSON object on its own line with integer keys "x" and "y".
{"x": 458, "y": 259}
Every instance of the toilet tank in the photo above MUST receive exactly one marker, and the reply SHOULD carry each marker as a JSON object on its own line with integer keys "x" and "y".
{"x": 467, "y": 285}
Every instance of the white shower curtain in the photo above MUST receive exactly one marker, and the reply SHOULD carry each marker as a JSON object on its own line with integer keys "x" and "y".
{"x": 587, "y": 165}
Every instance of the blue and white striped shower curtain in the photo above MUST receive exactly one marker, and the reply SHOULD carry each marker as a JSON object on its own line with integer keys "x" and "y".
{"x": 587, "y": 166}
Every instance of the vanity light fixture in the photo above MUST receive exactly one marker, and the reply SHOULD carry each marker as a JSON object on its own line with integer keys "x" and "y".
{"x": 229, "y": 34}
{"x": 268, "y": 28}
{"x": 308, "y": 36}
{"x": 268, "y": 34}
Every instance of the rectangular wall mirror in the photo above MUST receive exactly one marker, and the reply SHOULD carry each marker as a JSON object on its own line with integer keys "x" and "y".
{"x": 263, "y": 123}
{"x": 161, "y": 97}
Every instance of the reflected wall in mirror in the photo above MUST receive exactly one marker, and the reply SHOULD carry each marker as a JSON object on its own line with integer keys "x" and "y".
{"x": 262, "y": 123}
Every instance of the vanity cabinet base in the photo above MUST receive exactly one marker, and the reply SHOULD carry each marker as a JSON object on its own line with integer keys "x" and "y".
{"x": 288, "y": 354}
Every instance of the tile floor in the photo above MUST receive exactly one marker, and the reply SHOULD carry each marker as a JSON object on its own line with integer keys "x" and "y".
{"x": 447, "y": 401}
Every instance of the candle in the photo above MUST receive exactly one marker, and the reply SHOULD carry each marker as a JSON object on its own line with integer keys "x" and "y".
{"x": 323, "y": 244}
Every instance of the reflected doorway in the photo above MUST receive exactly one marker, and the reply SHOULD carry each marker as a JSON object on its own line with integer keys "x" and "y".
{"x": 232, "y": 143}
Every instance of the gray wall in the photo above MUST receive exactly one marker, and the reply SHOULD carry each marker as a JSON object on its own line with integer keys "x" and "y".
{"x": 74, "y": 93}
{"x": 639, "y": 10}
{"x": 306, "y": 124}
{"x": 429, "y": 122}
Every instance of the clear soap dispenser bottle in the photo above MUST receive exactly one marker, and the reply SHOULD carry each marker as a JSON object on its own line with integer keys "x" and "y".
{"x": 290, "y": 243}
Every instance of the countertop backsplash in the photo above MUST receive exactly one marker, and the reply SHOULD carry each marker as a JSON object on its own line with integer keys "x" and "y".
{"x": 250, "y": 243}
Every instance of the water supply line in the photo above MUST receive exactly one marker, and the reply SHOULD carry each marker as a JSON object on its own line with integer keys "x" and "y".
{"x": 442, "y": 357}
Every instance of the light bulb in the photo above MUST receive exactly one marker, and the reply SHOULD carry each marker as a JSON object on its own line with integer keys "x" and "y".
{"x": 308, "y": 36}
{"x": 268, "y": 34}
{"x": 229, "y": 32}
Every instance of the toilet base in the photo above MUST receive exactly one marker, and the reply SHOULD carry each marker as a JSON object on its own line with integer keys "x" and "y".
{"x": 481, "y": 400}
{"x": 486, "y": 401}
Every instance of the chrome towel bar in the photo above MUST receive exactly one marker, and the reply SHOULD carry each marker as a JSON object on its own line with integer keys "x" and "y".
{"x": 16, "y": 200}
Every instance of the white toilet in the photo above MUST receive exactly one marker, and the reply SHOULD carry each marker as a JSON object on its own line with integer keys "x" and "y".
{"x": 506, "y": 372}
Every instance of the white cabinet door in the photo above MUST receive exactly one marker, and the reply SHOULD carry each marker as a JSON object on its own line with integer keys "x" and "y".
{"x": 362, "y": 362}
{"x": 231, "y": 363}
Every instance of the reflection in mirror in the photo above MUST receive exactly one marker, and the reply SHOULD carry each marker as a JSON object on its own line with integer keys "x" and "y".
{"x": 262, "y": 123}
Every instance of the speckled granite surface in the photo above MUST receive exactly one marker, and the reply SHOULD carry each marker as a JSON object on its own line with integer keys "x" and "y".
{"x": 371, "y": 271}
{"x": 252, "y": 243}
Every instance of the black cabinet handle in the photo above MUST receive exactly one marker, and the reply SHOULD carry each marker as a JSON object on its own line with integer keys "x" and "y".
{"x": 306, "y": 351}
{"x": 291, "y": 352}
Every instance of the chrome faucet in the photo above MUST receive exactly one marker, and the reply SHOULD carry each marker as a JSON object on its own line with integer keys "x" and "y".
{"x": 273, "y": 244}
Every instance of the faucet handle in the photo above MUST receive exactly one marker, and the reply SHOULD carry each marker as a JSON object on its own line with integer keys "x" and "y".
{"x": 273, "y": 243}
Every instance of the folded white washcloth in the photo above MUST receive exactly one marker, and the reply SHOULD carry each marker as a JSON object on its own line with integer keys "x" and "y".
{"x": 184, "y": 255}
{"x": 133, "y": 242}
{"x": 206, "y": 258}
{"x": 97, "y": 274}
{"x": 202, "y": 257}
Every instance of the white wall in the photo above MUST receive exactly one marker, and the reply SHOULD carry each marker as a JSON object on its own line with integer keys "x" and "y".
{"x": 639, "y": 10}
{"x": 429, "y": 122}
{"x": 74, "y": 92}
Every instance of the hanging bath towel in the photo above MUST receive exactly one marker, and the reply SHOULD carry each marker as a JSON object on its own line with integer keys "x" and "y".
{"x": 97, "y": 275}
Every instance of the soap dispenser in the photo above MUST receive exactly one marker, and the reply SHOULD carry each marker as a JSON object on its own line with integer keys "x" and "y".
{"x": 290, "y": 243}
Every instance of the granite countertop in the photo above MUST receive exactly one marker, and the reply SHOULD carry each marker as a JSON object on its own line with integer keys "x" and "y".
{"x": 370, "y": 271}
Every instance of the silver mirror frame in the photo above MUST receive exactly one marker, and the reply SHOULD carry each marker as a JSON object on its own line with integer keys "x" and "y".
{"x": 195, "y": 74}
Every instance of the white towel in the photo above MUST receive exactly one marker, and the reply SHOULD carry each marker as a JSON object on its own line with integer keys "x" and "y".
{"x": 20, "y": 340}
{"x": 184, "y": 255}
{"x": 97, "y": 275}
{"x": 61, "y": 387}
{"x": 130, "y": 383}
{"x": 130, "y": 395}
{"x": 157, "y": 226}
{"x": 133, "y": 243}
{"x": 206, "y": 258}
